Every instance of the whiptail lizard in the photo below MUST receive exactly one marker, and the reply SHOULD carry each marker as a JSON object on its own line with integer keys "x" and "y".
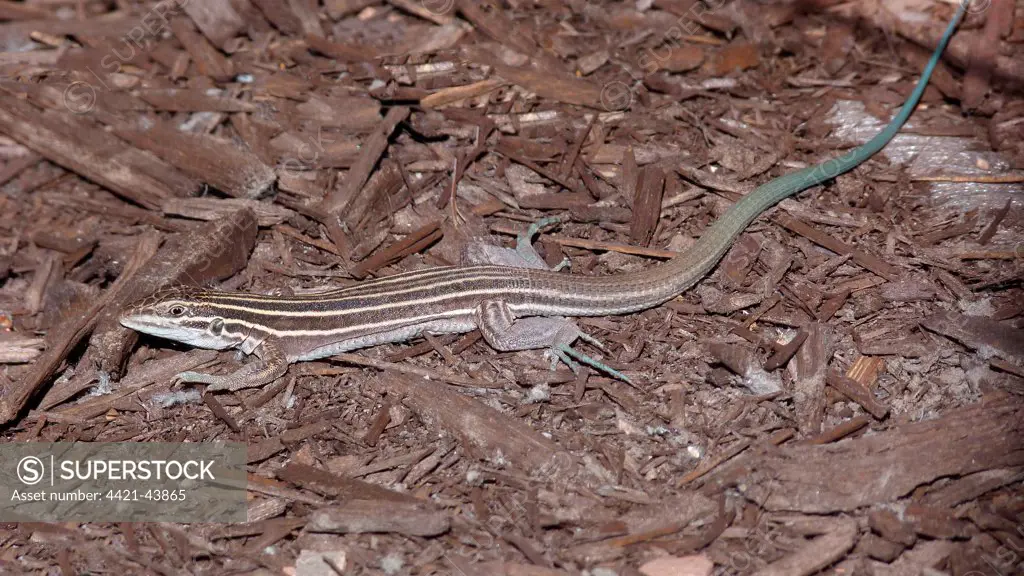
{"x": 515, "y": 308}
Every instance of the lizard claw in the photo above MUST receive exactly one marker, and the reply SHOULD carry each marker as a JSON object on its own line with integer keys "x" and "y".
{"x": 558, "y": 355}
{"x": 588, "y": 338}
{"x": 570, "y": 356}
{"x": 565, "y": 263}
{"x": 190, "y": 377}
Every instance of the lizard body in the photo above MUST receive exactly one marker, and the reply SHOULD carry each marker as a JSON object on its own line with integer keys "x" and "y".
{"x": 516, "y": 308}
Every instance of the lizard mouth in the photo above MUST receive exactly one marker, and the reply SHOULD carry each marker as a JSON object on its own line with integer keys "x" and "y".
{"x": 146, "y": 325}
{"x": 193, "y": 336}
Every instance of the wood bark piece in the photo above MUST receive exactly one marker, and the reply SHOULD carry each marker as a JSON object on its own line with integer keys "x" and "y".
{"x": 738, "y": 262}
{"x": 307, "y": 12}
{"x": 418, "y": 371}
{"x": 811, "y": 368}
{"x": 280, "y": 15}
{"x": 378, "y": 192}
{"x": 208, "y": 253}
{"x": 452, "y": 94}
{"x": 858, "y": 393}
{"x": 647, "y": 206}
{"x": 680, "y": 510}
{"x": 16, "y": 166}
{"x": 10, "y": 10}
{"x": 516, "y": 154}
{"x": 257, "y": 135}
{"x": 255, "y": 24}
{"x": 958, "y": 51}
{"x": 389, "y": 193}
{"x": 346, "y": 113}
{"x": 346, "y": 194}
{"x": 879, "y": 548}
{"x": 681, "y": 59}
{"x": 554, "y": 85}
{"x": 885, "y": 466}
{"x": 972, "y": 486}
{"x": 839, "y": 41}
{"x": 987, "y": 336}
{"x": 935, "y": 523}
{"x": 489, "y": 433}
{"x": 294, "y": 153}
{"x": 917, "y": 560}
{"x": 837, "y": 538}
{"x": 869, "y": 261}
{"x": 337, "y": 9}
{"x": 212, "y": 209}
{"x": 840, "y": 431}
{"x": 698, "y": 565}
{"x": 75, "y": 143}
{"x": 262, "y": 450}
{"x": 733, "y": 57}
{"x": 155, "y": 372}
{"x": 113, "y": 25}
{"x": 216, "y": 161}
{"x": 887, "y": 524}
{"x": 342, "y": 51}
{"x": 490, "y": 20}
{"x": 592, "y": 244}
{"x": 216, "y": 19}
{"x": 207, "y": 58}
{"x": 498, "y": 568}
{"x": 786, "y": 351}
{"x": 832, "y": 305}
{"x": 323, "y": 482}
{"x": 646, "y": 523}
{"x": 741, "y": 360}
{"x": 361, "y": 516}
{"x": 112, "y": 210}
{"x": 193, "y": 100}
{"x": 18, "y": 349}
{"x": 14, "y": 397}
{"x": 414, "y": 242}
{"x": 990, "y": 229}
{"x": 437, "y": 11}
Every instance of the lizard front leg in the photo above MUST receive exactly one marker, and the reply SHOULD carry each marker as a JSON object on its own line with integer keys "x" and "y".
{"x": 504, "y": 332}
{"x": 272, "y": 365}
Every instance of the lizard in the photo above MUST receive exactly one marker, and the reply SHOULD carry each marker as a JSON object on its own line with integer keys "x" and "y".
{"x": 515, "y": 307}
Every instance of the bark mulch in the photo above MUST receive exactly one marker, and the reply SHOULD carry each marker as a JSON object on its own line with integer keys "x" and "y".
{"x": 844, "y": 394}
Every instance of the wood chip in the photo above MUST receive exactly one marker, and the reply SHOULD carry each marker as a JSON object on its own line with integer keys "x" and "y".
{"x": 860, "y": 472}
{"x": 359, "y": 516}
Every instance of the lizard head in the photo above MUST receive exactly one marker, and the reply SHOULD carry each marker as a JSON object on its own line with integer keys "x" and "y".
{"x": 182, "y": 314}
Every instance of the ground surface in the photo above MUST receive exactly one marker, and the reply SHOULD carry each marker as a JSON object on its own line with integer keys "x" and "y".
{"x": 843, "y": 394}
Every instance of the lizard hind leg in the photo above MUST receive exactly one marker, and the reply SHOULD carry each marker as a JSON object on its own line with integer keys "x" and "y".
{"x": 522, "y": 256}
{"x": 504, "y": 332}
{"x": 525, "y": 249}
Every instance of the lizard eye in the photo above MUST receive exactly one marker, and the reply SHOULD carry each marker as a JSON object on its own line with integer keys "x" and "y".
{"x": 176, "y": 310}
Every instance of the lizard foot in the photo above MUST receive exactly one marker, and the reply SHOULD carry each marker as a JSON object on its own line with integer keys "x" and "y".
{"x": 503, "y": 331}
{"x": 573, "y": 358}
{"x": 522, "y": 256}
{"x": 271, "y": 366}
{"x": 526, "y": 251}
{"x": 237, "y": 380}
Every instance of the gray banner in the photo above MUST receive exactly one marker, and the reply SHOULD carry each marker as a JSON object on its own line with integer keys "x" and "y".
{"x": 122, "y": 482}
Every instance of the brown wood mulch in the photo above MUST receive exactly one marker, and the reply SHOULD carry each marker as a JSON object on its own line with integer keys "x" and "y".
{"x": 844, "y": 394}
